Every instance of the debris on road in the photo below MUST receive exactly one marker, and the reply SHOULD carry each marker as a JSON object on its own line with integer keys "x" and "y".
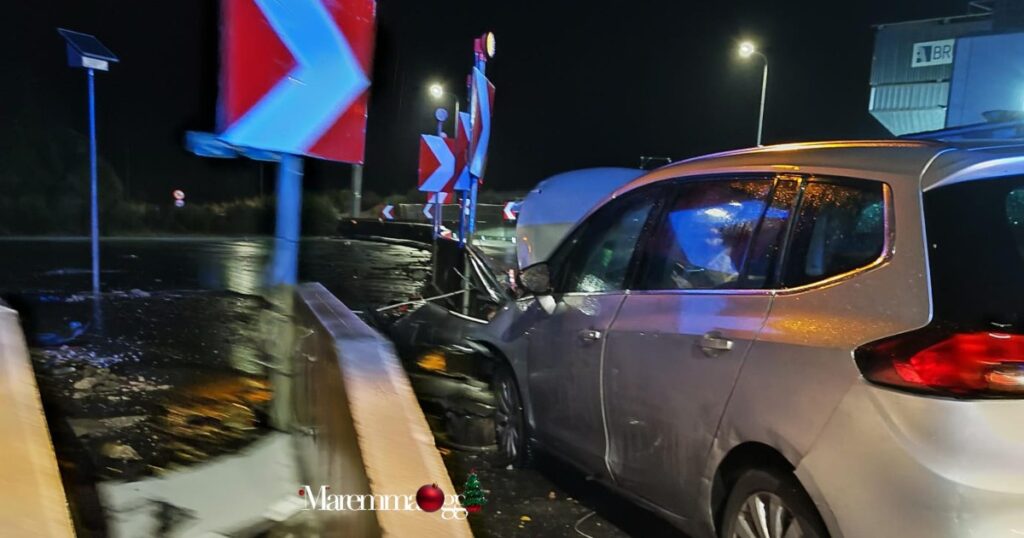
{"x": 155, "y": 392}
{"x": 118, "y": 451}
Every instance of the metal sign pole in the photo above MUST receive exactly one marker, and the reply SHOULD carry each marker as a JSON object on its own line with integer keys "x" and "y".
{"x": 435, "y": 197}
{"x": 285, "y": 265}
{"x": 465, "y": 238}
{"x": 357, "y": 190}
{"x": 438, "y": 210}
{"x": 437, "y": 249}
{"x": 481, "y": 64}
{"x": 469, "y": 198}
{"x": 94, "y": 213}
{"x": 466, "y": 226}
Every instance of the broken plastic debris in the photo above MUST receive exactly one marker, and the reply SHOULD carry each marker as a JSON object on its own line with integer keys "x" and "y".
{"x": 86, "y": 383}
{"x": 118, "y": 451}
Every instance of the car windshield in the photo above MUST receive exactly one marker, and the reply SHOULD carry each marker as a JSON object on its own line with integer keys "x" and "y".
{"x": 976, "y": 252}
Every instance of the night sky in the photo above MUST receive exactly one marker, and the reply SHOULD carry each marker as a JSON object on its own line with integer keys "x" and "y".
{"x": 578, "y": 83}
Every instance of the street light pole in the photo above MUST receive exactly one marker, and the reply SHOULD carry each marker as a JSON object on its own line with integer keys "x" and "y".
{"x": 764, "y": 89}
{"x": 746, "y": 50}
{"x": 455, "y": 124}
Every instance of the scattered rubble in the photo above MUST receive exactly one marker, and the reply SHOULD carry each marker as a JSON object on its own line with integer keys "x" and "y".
{"x": 85, "y": 383}
{"x": 160, "y": 388}
{"x": 118, "y": 451}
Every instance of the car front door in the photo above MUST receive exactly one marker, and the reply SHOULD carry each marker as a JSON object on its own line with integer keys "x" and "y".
{"x": 674, "y": 350}
{"x": 566, "y": 346}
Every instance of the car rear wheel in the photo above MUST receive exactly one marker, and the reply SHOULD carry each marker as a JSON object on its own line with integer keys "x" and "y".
{"x": 509, "y": 420}
{"x": 770, "y": 504}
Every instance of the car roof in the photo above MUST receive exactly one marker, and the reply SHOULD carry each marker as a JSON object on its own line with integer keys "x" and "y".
{"x": 925, "y": 163}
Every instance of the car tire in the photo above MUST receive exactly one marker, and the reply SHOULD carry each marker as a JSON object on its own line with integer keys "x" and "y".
{"x": 510, "y": 428}
{"x": 774, "y": 501}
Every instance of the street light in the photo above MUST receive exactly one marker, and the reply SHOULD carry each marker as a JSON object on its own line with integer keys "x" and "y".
{"x": 746, "y": 50}
{"x": 436, "y": 91}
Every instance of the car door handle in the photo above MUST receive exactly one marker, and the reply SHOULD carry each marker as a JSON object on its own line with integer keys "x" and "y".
{"x": 590, "y": 335}
{"x": 714, "y": 343}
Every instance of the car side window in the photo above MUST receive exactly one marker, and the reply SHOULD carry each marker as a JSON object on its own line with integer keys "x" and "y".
{"x": 704, "y": 235}
{"x": 839, "y": 227}
{"x": 600, "y": 253}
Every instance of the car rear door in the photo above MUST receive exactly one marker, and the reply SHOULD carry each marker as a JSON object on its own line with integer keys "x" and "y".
{"x": 673, "y": 353}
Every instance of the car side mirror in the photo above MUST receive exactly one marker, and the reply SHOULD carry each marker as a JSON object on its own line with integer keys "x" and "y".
{"x": 536, "y": 279}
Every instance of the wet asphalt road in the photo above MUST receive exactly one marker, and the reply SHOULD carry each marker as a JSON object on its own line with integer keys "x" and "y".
{"x": 47, "y": 280}
{"x": 360, "y": 273}
{"x": 551, "y": 499}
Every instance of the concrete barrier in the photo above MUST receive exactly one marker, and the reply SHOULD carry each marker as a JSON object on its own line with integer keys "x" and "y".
{"x": 364, "y": 431}
{"x": 32, "y": 501}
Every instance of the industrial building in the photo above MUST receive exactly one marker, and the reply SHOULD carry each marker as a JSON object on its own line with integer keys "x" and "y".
{"x": 949, "y": 72}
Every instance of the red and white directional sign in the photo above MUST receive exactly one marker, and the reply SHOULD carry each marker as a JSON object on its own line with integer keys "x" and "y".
{"x": 438, "y": 197}
{"x": 437, "y": 163}
{"x": 434, "y": 199}
{"x": 464, "y": 126}
{"x": 481, "y": 104}
{"x": 388, "y": 212}
{"x": 295, "y": 76}
{"x": 510, "y": 211}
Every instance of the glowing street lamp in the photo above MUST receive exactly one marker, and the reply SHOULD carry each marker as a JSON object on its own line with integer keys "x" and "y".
{"x": 746, "y": 50}
{"x": 436, "y": 91}
{"x": 485, "y": 45}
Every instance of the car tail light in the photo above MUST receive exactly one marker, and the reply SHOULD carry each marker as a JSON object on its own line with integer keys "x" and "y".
{"x": 963, "y": 364}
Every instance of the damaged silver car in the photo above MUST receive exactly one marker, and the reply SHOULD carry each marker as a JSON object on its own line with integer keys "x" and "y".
{"x": 818, "y": 339}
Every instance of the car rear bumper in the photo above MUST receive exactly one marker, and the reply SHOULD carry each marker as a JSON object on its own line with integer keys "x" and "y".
{"x": 895, "y": 464}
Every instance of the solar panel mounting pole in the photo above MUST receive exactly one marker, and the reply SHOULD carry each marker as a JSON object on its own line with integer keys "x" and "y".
{"x": 86, "y": 52}
{"x": 94, "y": 213}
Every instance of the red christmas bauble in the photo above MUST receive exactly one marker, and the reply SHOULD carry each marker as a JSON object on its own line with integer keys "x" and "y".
{"x": 430, "y": 498}
{"x": 473, "y": 508}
